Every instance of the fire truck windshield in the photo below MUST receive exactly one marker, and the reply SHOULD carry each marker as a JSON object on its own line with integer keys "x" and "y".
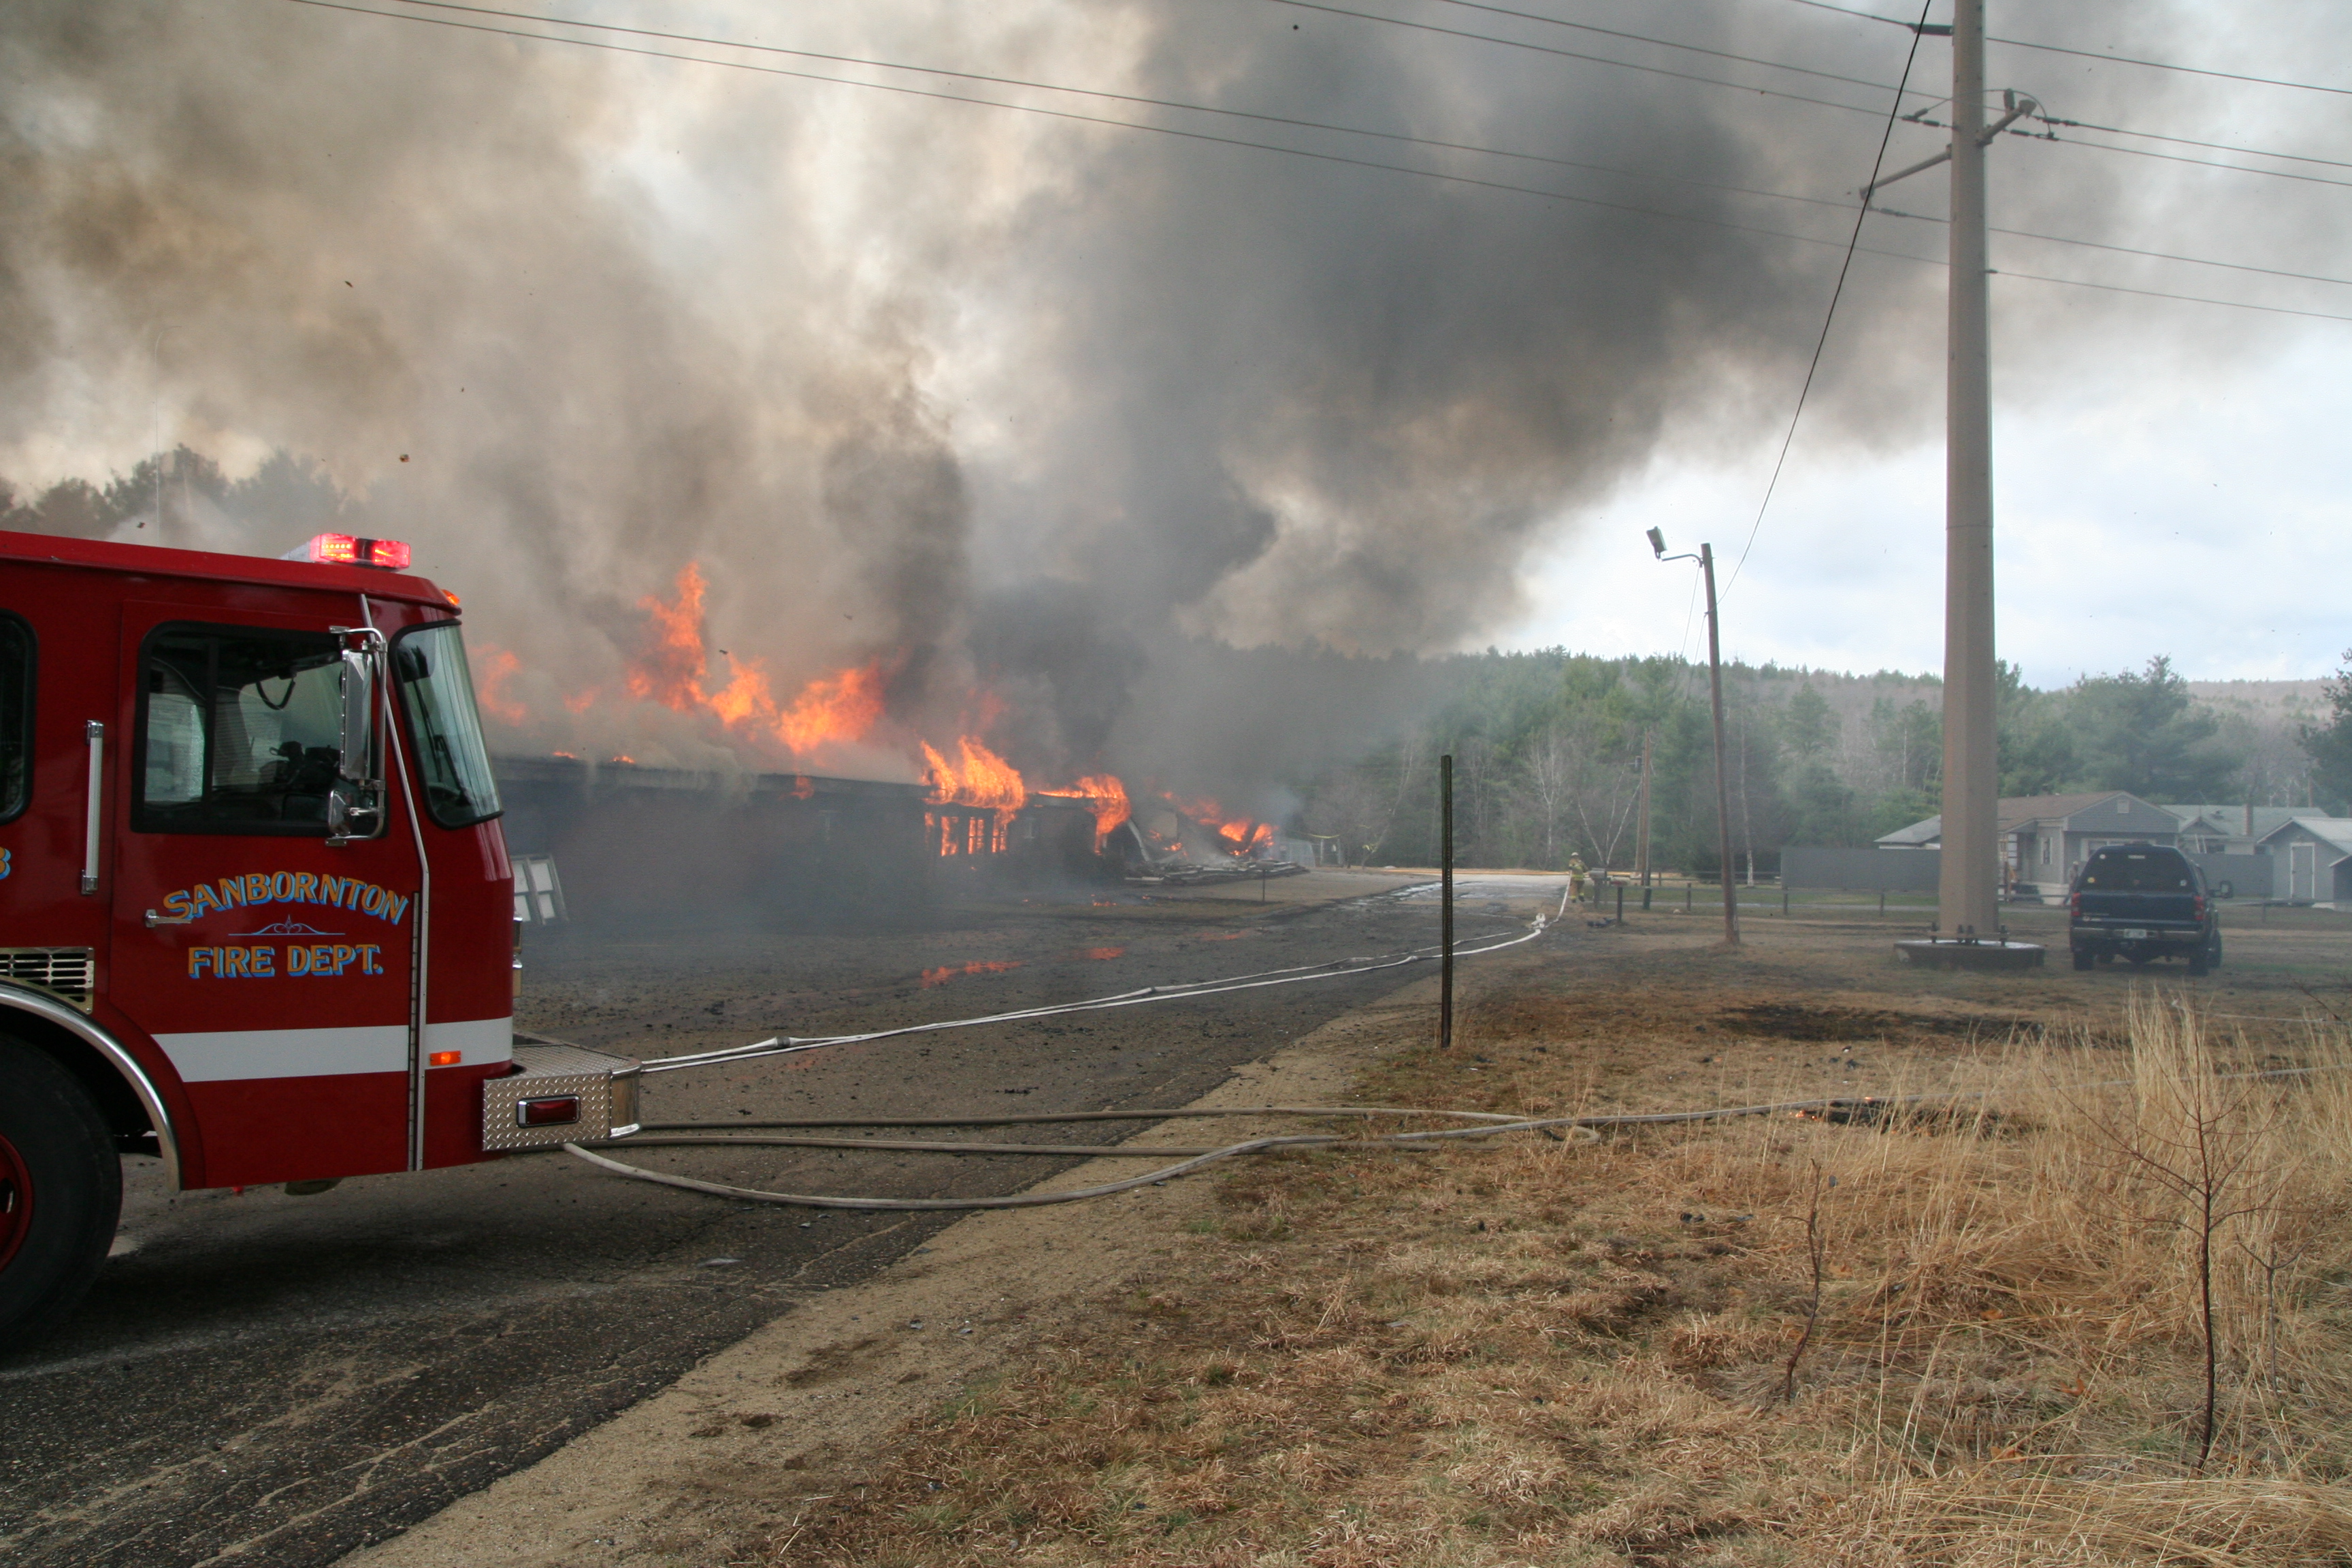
{"x": 437, "y": 692}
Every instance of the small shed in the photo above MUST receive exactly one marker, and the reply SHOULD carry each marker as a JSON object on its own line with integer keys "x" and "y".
{"x": 2311, "y": 860}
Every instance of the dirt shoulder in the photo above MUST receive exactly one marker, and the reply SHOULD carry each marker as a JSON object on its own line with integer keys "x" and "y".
{"x": 723, "y": 1463}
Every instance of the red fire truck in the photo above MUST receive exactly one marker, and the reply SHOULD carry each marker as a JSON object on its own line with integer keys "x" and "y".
{"x": 256, "y": 914}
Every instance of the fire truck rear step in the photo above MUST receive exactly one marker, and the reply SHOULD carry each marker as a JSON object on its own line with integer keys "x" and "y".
{"x": 559, "y": 1094}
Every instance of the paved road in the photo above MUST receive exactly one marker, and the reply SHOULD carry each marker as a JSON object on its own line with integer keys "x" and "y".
{"x": 285, "y": 1379}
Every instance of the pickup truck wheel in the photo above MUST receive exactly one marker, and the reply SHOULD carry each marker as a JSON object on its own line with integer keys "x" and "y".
{"x": 2082, "y": 958}
{"x": 61, "y": 1193}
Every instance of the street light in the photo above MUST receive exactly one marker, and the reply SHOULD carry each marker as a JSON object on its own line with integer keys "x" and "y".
{"x": 1705, "y": 559}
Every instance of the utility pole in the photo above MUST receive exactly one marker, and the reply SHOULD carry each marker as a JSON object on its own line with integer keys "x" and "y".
{"x": 1445, "y": 900}
{"x": 1642, "y": 830}
{"x": 1705, "y": 559}
{"x": 1722, "y": 775}
{"x": 1968, "y": 875}
{"x": 1967, "y": 882}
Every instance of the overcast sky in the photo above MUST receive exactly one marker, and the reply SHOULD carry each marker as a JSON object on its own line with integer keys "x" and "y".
{"x": 886, "y": 365}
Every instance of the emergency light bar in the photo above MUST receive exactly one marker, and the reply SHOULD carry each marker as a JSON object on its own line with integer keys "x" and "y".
{"x": 347, "y": 550}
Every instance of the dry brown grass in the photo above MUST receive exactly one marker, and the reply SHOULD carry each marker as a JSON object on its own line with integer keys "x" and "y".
{"x": 1575, "y": 1353}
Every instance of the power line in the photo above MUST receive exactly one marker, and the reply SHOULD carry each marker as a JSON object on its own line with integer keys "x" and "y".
{"x": 2182, "y": 158}
{"x": 1181, "y": 106}
{"x": 1179, "y": 134}
{"x": 2052, "y": 136}
{"x": 2131, "y": 250}
{"x": 1106, "y": 94}
{"x": 1345, "y": 130}
{"x": 1830, "y": 315}
{"x": 2095, "y": 54}
{"x": 1660, "y": 43}
{"x": 2161, "y": 294}
{"x": 1795, "y": 98}
{"x": 1064, "y": 114}
{"x": 1574, "y": 55}
{"x": 2164, "y": 66}
{"x": 2192, "y": 141}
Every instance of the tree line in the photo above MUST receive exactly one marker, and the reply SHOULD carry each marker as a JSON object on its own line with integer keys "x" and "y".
{"x": 1548, "y": 745}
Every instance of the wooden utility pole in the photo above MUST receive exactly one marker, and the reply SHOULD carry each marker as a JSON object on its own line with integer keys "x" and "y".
{"x": 1641, "y": 842}
{"x": 1445, "y": 899}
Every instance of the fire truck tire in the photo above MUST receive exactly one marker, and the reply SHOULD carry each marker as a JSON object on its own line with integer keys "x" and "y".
{"x": 61, "y": 1193}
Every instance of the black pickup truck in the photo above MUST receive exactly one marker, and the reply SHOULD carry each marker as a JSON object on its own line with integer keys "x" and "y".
{"x": 2142, "y": 901}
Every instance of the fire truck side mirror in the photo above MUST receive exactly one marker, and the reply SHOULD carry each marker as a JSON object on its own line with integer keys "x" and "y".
{"x": 355, "y": 806}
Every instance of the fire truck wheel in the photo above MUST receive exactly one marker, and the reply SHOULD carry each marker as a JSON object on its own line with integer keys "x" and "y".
{"x": 60, "y": 1192}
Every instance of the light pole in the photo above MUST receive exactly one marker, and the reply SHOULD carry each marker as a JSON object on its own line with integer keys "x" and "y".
{"x": 1705, "y": 559}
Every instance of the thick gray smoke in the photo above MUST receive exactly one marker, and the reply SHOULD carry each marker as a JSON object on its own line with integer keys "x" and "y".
{"x": 994, "y": 401}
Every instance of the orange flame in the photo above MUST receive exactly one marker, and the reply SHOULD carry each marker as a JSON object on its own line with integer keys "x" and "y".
{"x": 673, "y": 667}
{"x": 1104, "y": 794}
{"x": 946, "y": 972}
{"x": 979, "y": 778}
{"x": 840, "y": 705}
{"x": 499, "y": 667}
{"x": 1246, "y": 834}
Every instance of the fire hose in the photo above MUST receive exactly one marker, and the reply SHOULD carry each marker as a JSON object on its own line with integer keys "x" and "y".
{"x": 1486, "y": 1124}
{"x": 777, "y": 1046}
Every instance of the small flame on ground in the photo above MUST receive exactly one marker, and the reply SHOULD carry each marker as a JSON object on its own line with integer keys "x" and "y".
{"x": 946, "y": 972}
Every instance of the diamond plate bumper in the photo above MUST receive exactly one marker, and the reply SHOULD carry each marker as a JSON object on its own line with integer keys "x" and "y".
{"x": 604, "y": 1086}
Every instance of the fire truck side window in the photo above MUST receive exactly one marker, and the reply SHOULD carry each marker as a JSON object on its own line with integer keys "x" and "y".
{"x": 238, "y": 731}
{"x": 15, "y": 715}
{"x": 437, "y": 691}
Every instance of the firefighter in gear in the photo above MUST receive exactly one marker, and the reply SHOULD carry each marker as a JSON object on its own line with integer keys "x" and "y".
{"x": 1576, "y": 878}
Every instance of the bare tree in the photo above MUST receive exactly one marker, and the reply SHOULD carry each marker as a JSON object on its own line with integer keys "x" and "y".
{"x": 1546, "y": 786}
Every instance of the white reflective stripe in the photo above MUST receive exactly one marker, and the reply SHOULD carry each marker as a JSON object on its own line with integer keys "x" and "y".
{"x": 287, "y": 1053}
{"x": 483, "y": 1042}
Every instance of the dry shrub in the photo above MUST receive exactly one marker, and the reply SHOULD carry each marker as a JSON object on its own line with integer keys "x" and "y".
{"x": 1576, "y": 1352}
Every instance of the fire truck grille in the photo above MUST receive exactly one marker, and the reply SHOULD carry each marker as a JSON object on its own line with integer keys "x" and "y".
{"x": 66, "y": 972}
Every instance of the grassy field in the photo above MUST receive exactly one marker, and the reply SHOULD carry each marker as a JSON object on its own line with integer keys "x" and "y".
{"x": 2098, "y": 1310}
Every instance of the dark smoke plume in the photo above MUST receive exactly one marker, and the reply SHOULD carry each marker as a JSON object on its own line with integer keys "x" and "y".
{"x": 989, "y": 398}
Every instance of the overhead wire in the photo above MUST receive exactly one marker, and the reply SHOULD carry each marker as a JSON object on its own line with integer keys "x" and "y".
{"x": 1660, "y": 43}
{"x": 1182, "y": 134}
{"x": 2128, "y": 249}
{"x": 1175, "y": 131}
{"x": 1183, "y": 106}
{"x": 1141, "y": 100}
{"x": 1576, "y": 55}
{"x": 2095, "y": 54}
{"x": 1812, "y": 369}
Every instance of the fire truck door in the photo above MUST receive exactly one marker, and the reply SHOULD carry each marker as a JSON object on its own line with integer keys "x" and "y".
{"x": 272, "y": 966}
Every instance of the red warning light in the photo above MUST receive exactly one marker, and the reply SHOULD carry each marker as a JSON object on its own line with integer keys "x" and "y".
{"x": 348, "y": 550}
